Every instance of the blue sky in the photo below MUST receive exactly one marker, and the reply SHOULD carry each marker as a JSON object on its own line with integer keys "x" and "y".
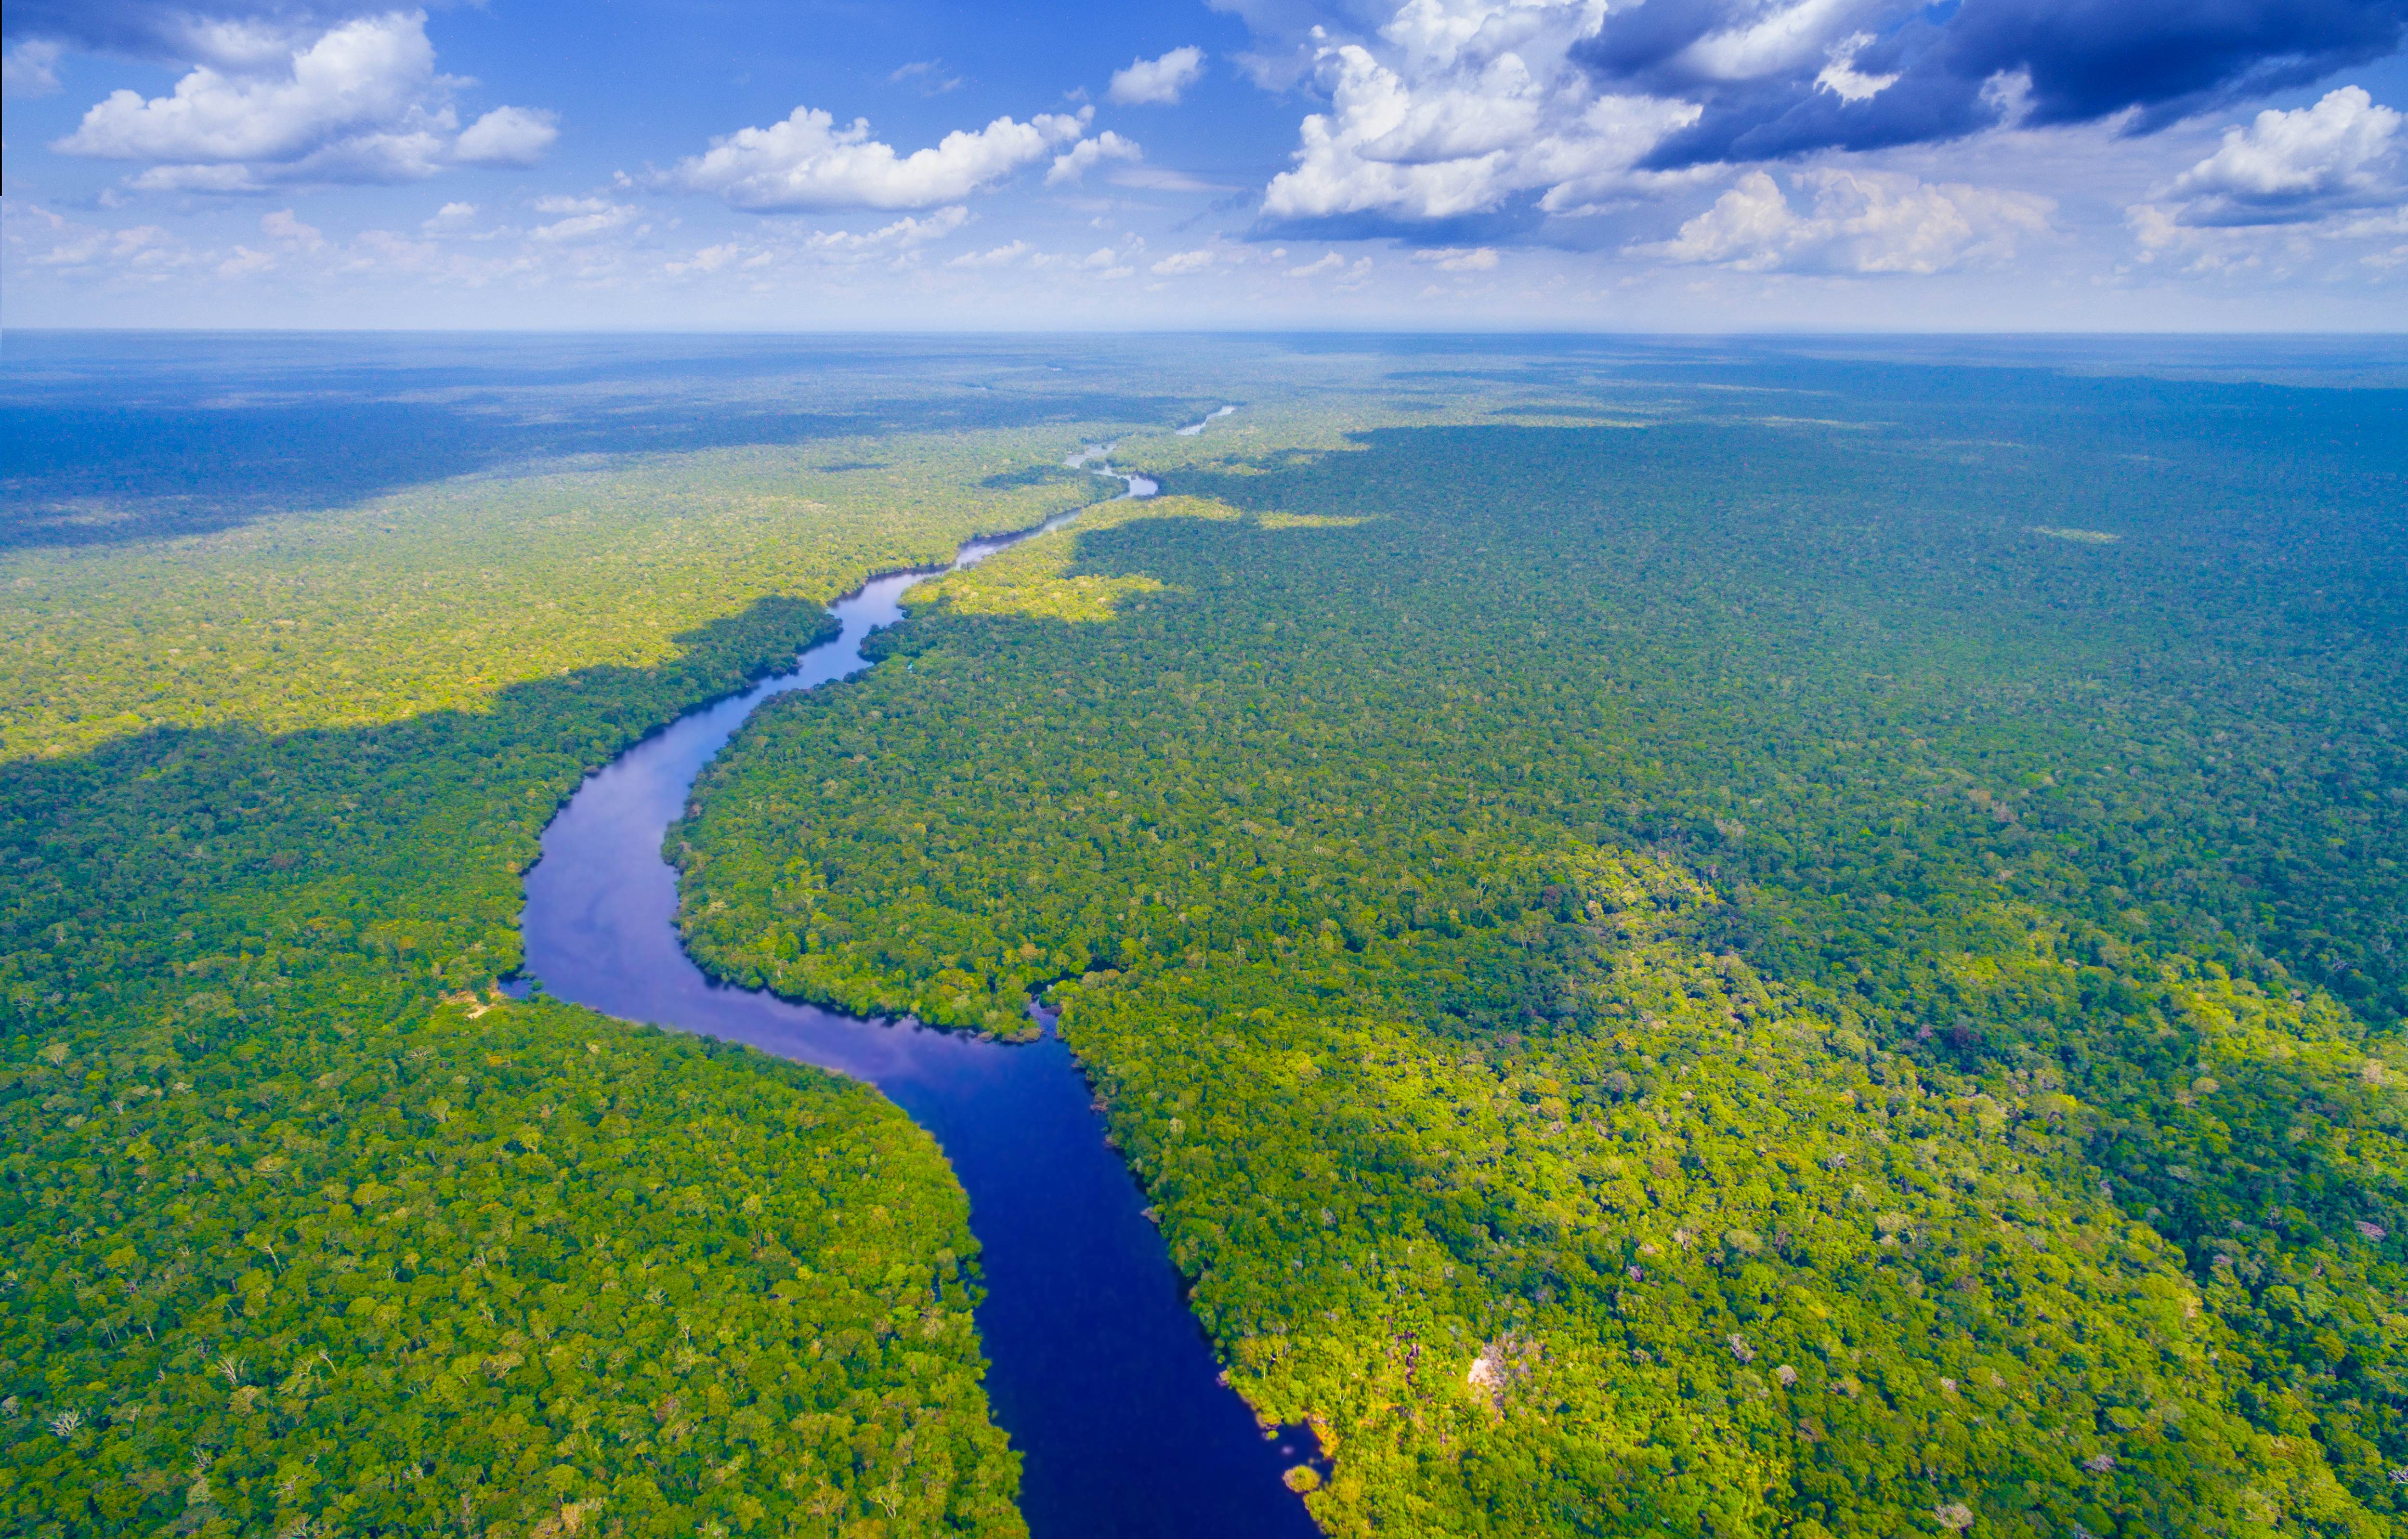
{"x": 1982, "y": 165}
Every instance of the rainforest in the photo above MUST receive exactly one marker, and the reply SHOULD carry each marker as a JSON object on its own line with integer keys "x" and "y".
{"x": 1721, "y": 939}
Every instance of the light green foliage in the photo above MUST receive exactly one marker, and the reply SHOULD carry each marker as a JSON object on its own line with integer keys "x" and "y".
{"x": 514, "y": 1270}
{"x": 439, "y": 596}
{"x": 1640, "y": 1232}
{"x": 1036, "y": 580}
{"x": 1624, "y": 915}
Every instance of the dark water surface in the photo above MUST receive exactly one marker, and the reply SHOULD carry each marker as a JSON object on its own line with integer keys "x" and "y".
{"x": 1101, "y": 1376}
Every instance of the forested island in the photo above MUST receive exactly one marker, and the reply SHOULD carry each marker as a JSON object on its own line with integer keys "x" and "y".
{"x": 1697, "y": 941}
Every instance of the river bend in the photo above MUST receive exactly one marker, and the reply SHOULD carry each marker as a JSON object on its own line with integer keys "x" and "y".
{"x": 1101, "y": 1376}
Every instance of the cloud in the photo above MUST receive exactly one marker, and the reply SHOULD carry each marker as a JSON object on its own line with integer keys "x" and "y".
{"x": 1465, "y": 120}
{"x": 806, "y": 161}
{"x": 2267, "y": 251}
{"x": 245, "y": 262}
{"x": 1842, "y": 78}
{"x": 1766, "y": 80}
{"x": 359, "y": 102}
{"x": 1332, "y": 265}
{"x": 1162, "y": 179}
{"x": 358, "y": 78}
{"x": 1861, "y": 222}
{"x": 2278, "y": 193}
{"x": 581, "y": 218}
{"x": 998, "y": 256}
{"x": 2292, "y": 167}
{"x": 1461, "y": 259}
{"x": 450, "y": 217}
{"x": 927, "y": 74}
{"x": 29, "y": 69}
{"x": 903, "y": 234}
{"x": 1183, "y": 262}
{"x": 1104, "y": 262}
{"x": 1157, "y": 81}
{"x": 896, "y": 242}
{"x": 142, "y": 252}
{"x": 284, "y": 227}
{"x": 507, "y": 135}
{"x": 1075, "y": 162}
{"x": 235, "y": 34}
{"x": 1787, "y": 77}
{"x": 712, "y": 258}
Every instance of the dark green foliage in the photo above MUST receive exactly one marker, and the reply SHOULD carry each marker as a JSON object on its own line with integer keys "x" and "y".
{"x": 215, "y": 873}
{"x": 1580, "y": 921}
{"x": 1035, "y": 475}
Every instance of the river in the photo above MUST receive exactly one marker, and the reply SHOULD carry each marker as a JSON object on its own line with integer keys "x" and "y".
{"x": 1101, "y": 1376}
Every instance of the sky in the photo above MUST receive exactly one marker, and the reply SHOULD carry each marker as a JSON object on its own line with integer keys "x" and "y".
{"x": 1586, "y": 164}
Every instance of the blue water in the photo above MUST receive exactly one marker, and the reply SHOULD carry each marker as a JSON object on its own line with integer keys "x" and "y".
{"x": 1100, "y": 1375}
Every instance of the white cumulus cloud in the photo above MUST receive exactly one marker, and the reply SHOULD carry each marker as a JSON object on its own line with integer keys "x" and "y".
{"x": 285, "y": 227}
{"x": 807, "y": 161}
{"x": 1859, "y": 222}
{"x": 902, "y": 234}
{"x": 2290, "y": 167}
{"x": 1183, "y": 262}
{"x": 244, "y": 263}
{"x": 1081, "y": 157}
{"x": 507, "y": 135}
{"x": 581, "y": 218}
{"x": 1458, "y": 107}
{"x": 1157, "y": 81}
{"x": 362, "y": 77}
{"x": 360, "y": 102}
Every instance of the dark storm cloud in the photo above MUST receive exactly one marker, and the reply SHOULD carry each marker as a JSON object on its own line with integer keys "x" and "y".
{"x": 1963, "y": 67}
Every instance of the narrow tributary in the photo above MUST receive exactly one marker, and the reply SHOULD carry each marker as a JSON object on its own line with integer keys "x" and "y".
{"x": 1101, "y": 1377}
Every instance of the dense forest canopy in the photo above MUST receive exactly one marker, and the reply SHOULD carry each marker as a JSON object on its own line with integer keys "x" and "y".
{"x": 1825, "y": 961}
{"x": 1685, "y": 939}
{"x": 312, "y": 1232}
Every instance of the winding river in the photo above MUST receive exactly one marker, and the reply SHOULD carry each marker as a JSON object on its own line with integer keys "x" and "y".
{"x": 1101, "y": 1376}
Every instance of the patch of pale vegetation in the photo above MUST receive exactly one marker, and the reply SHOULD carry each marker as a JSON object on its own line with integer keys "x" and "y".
{"x": 438, "y": 596}
{"x": 1035, "y": 578}
{"x": 1311, "y": 521}
{"x": 1502, "y": 1363}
